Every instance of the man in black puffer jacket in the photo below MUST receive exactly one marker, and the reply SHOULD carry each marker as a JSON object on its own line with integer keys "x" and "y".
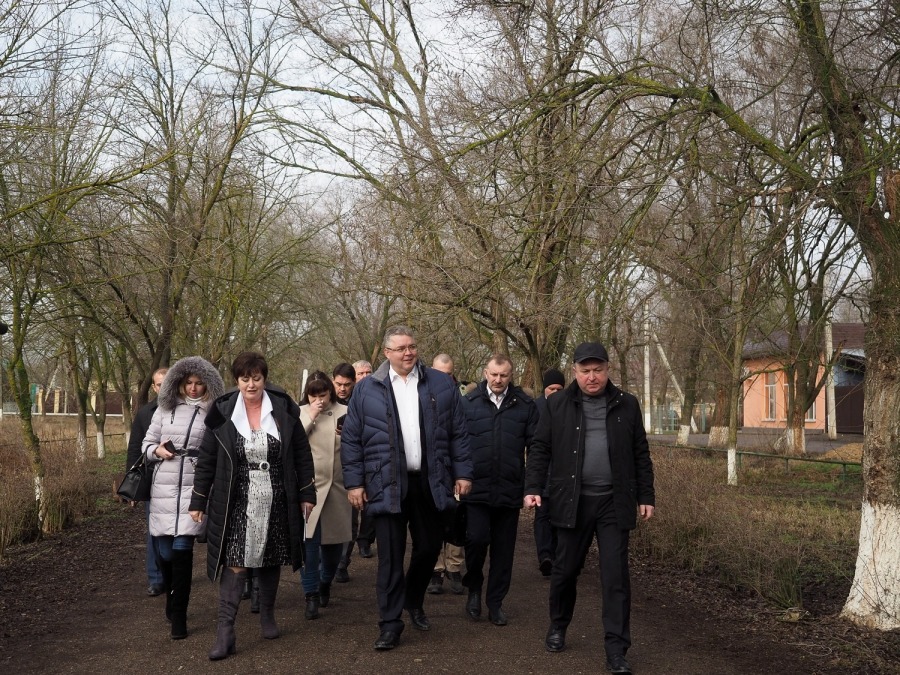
{"x": 501, "y": 421}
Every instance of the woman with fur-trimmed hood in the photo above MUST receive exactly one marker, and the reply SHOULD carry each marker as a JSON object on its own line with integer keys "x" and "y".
{"x": 171, "y": 448}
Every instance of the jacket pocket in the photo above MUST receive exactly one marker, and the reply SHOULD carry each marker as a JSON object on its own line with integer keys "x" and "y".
{"x": 557, "y": 490}
{"x": 374, "y": 481}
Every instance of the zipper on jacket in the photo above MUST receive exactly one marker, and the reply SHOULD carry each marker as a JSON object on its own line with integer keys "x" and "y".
{"x": 187, "y": 439}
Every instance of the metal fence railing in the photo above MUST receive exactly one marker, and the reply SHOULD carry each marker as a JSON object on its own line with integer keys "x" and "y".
{"x": 843, "y": 463}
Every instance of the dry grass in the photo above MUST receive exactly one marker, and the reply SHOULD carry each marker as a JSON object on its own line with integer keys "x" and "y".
{"x": 71, "y": 488}
{"x": 852, "y": 452}
{"x": 772, "y": 534}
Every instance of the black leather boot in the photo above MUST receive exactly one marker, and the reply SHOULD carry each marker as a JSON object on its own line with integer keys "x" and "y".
{"x": 324, "y": 594}
{"x": 268, "y": 589}
{"x": 313, "y": 602}
{"x": 180, "y": 595}
{"x": 230, "y": 589}
{"x": 165, "y": 566}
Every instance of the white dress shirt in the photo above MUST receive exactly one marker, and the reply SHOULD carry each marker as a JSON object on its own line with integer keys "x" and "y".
{"x": 497, "y": 399}
{"x": 406, "y": 394}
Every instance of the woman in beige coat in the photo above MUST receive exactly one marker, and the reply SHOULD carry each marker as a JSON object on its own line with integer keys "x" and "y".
{"x": 328, "y": 526}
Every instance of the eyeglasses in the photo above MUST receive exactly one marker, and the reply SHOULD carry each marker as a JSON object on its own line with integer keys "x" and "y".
{"x": 412, "y": 349}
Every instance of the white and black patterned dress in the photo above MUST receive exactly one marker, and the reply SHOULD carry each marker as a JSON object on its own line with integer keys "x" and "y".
{"x": 258, "y": 533}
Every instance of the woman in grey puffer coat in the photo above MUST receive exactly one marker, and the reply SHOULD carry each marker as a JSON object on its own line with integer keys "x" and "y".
{"x": 171, "y": 448}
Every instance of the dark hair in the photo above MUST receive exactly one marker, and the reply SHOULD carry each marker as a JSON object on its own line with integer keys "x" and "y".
{"x": 344, "y": 370}
{"x": 247, "y": 364}
{"x": 318, "y": 384}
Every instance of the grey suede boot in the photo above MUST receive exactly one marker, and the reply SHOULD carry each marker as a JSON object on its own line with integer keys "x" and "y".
{"x": 268, "y": 589}
{"x": 231, "y": 587}
{"x": 254, "y": 593}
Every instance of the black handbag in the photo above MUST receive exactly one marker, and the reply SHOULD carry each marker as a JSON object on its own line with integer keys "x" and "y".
{"x": 135, "y": 487}
{"x": 455, "y": 525}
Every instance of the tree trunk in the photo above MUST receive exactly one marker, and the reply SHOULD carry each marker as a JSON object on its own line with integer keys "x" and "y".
{"x": 690, "y": 393}
{"x": 718, "y": 431}
{"x": 20, "y": 386}
{"x": 874, "y": 598}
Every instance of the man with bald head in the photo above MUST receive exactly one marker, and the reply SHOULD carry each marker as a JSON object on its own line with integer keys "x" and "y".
{"x": 449, "y": 562}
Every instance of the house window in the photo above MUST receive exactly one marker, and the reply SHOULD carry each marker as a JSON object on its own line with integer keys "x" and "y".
{"x": 771, "y": 396}
{"x": 811, "y": 413}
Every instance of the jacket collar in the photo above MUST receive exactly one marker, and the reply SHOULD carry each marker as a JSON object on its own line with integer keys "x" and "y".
{"x": 382, "y": 374}
{"x": 222, "y": 408}
{"x": 513, "y": 391}
{"x": 573, "y": 391}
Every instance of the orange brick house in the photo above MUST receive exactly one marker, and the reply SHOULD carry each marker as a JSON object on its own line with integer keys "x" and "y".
{"x": 765, "y": 391}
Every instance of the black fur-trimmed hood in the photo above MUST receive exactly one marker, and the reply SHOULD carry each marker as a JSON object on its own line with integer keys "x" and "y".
{"x": 189, "y": 365}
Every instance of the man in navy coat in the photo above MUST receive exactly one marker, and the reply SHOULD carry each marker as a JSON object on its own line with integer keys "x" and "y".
{"x": 405, "y": 456}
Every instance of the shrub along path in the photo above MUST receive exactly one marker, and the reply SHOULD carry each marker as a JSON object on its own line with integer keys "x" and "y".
{"x": 76, "y": 603}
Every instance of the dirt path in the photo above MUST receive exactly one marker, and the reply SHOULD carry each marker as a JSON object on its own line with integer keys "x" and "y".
{"x": 75, "y": 603}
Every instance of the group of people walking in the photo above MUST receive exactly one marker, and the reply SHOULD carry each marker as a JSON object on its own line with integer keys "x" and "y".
{"x": 394, "y": 456}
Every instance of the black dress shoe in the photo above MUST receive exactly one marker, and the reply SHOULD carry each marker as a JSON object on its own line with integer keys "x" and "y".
{"x": 419, "y": 620}
{"x": 546, "y": 567}
{"x": 387, "y": 640}
{"x": 556, "y": 639}
{"x": 341, "y": 576}
{"x": 436, "y": 585}
{"x": 365, "y": 549}
{"x": 473, "y": 604}
{"x": 497, "y": 617}
{"x": 155, "y": 589}
{"x": 617, "y": 663}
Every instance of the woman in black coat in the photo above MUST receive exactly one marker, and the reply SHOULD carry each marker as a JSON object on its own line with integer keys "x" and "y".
{"x": 255, "y": 483}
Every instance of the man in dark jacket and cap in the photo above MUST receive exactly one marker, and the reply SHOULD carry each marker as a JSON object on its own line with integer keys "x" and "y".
{"x": 405, "y": 453}
{"x": 593, "y": 443}
{"x": 502, "y": 419}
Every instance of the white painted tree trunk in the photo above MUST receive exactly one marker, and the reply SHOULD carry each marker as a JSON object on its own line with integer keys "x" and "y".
{"x": 80, "y": 446}
{"x": 718, "y": 437}
{"x": 39, "y": 498}
{"x": 874, "y": 599}
{"x": 792, "y": 441}
{"x": 101, "y": 445}
{"x": 684, "y": 432}
{"x": 732, "y": 466}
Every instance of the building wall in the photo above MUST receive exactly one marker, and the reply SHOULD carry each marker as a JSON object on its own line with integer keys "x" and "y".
{"x": 756, "y": 397}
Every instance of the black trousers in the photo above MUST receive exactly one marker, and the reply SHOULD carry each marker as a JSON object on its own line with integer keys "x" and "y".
{"x": 362, "y": 528}
{"x": 596, "y": 517}
{"x": 490, "y": 528}
{"x": 394, "y": 589}
{"x": 544, "y": 533}
{"x": 366, "y": 531}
